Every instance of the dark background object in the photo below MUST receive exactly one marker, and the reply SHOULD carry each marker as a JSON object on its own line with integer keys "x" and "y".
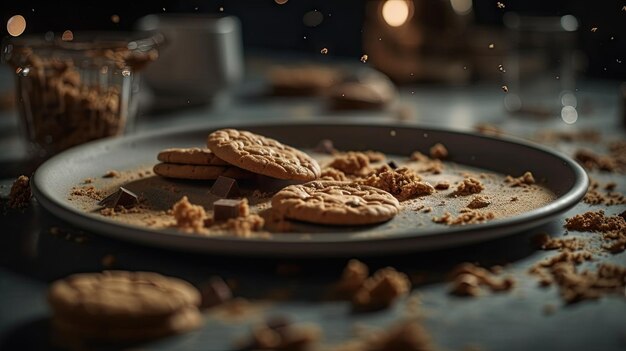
{"x": 270, "y": 26}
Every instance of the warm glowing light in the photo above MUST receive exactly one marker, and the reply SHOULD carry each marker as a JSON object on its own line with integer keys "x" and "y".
{"x": 396, "y": 12}
{"x": 115, "y": 19}
{"x": 16, "y": 25}
{"x": 364, "y": 58}
{"x": 461, "y": 7}
{"x": 324, "y": 51}
{"x": 67, "y": 36}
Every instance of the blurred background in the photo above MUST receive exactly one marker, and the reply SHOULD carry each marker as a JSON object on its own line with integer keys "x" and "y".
{"x": 347, "y": 27}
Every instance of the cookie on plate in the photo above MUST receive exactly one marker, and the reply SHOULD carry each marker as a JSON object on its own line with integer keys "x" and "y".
{"x": 335, "y": 203}
{"x": 198, "y": 172}
{"x": 262, "y": 155}
{"x": 191, "y": 156}
{"x": 122, "y": 306}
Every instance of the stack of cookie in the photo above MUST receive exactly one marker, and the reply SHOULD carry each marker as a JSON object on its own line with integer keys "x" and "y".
{"x": 195, "y": 163}
{"x": 237, "y": 154}
{"x": 120, "y": 306}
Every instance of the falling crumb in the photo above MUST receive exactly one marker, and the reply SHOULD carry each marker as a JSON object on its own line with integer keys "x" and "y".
{"x": 19, "y": 196}
{"x": 364, "y": 58}
{"x": 594, "y": 29}
{"x": 491, "y": 46}
{"x": 115, "y": 19}
{"x": 505, "y": 89}
{"x": 500, "y": 5}
{"x": 501, "y": 69}
{"x": 324, "y": 51}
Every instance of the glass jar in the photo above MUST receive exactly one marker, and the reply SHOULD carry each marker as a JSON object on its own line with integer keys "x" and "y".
{"x": 76, "y": 88}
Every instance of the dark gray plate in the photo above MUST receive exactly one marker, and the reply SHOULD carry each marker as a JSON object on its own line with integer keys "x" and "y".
{"x": 54, "y": 179}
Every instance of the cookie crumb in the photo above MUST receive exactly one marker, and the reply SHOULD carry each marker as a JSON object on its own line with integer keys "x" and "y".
{"x": 442, "y": 185}
{"x": 352, "y": 278}
{"x": 521, "y": 181}
{"x": 352, "y": 163}
{"x": 402, "y": 183}
{"x": 283, "y": 335}
{"x": 545, "y": 242}
{"x": 479, "y": 202}
{"x": 381, "y": 290}
{"x": 19, "y": 196}
{"x": 438, "y": 151}
{"x": 465, "y": 217}
{"x": 111, "y": 174}
{"x": 333, "y": 174}
{"x": 469, "y": 186}
{"x": 468, "y": 278}
{"x": 189, "y": 217}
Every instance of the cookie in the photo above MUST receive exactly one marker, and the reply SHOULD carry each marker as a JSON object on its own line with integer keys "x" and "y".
{"x": 336, "y": 203}
{"x": 302, "y": 81}
{"x": 190, "y": 156}
{"x": 180, "y": 322}
{"x": 262, "y": 155}
{"x": 120, "y": 298}
{"x": 366, "y": 91}
{"x": 197, "y": 172}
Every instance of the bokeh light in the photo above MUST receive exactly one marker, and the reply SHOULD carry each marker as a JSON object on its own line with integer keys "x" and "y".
{"x": 395, "y": 12}
{"x": 16, "y": 25}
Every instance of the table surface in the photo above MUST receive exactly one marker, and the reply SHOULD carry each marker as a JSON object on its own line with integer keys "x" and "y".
{"x": 31, "y": 258}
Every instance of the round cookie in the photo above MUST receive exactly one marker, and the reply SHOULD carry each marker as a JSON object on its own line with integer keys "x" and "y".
{"x": 180, "y": 322}
{"x": 262, "y": 155}
{"x": 120, "y": 297}
{"x": 190, "y": 156}
{"x": 336, "y": 203}
{"x": 197, "y": 172}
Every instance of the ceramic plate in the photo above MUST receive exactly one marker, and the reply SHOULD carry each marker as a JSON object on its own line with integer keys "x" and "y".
{"x": 54, "y": 179}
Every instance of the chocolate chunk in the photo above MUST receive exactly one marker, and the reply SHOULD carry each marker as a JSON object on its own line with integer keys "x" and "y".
{"x": 121, "y": 198}
{"x": 215, "y": 292}
{"x": 325, "y": 146}
{"x": 223, "y": 209}
{"x": 392, "y": 164}
{"x": 225, "y": 187}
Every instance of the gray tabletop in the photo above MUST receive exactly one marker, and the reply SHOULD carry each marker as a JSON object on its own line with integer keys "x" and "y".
{"x": 30, "y": 257}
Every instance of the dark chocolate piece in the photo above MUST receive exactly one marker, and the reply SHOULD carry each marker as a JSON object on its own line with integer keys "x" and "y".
{"x": 121, "y": 198}
{"x": 392, "y": 164}
{"x": 325, "y": 146}
{"x": 215, "y": 292}
{"x": 223, "y": 209}
{"x": 225, "y": 187}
